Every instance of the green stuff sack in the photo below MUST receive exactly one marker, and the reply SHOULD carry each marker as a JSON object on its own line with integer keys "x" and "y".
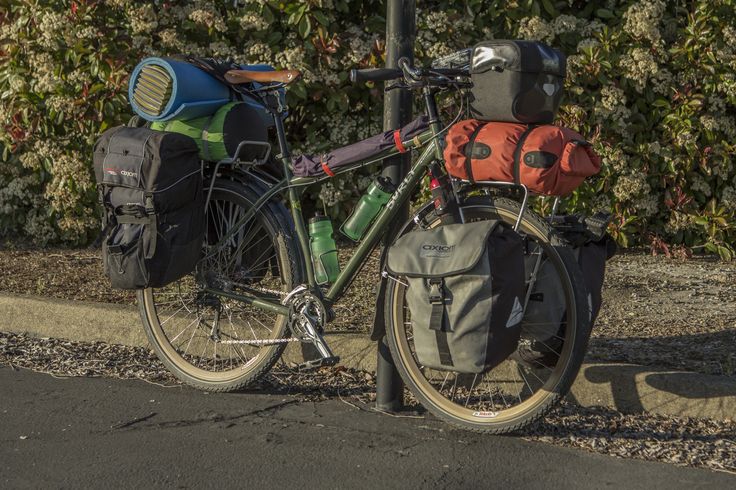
{"x": 218, "y": 136}
{"x": 466, "y": 285}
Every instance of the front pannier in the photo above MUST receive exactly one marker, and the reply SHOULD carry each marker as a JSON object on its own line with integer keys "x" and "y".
{"x": 547, "y": 159}
{"x": 545, "y": 312}
{"x": 516, "y": 81}
{"x": 466, "y": 284}
{"x": 151, "y": 192}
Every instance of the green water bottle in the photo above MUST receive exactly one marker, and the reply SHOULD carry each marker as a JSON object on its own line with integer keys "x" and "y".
{"x": 377, "y": 195}
{"x": 324, "y": 250}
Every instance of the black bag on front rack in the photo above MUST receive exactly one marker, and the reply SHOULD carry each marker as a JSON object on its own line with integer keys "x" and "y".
{"x": 465, "y": 289}
{"x": 545, "y": 312}
{"x": 150, "y": 189}
{"x": 516, "y": 81}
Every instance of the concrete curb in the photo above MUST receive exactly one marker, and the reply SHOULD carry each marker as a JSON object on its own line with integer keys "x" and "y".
{"x": 626, "y": 387}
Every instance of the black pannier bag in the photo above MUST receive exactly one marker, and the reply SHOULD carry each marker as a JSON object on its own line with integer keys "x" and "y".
{"x": 545, "y": 312}
{"x": 516, "y": 81}
{"x": 150, "y": 189}
{"x": 466, "y": 285}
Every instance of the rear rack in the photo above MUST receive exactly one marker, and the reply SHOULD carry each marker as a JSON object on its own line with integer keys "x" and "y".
{"x": 235, "y": 160}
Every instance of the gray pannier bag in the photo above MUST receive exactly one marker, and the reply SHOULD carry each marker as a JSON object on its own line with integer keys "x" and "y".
{"x": 466, "y": 284}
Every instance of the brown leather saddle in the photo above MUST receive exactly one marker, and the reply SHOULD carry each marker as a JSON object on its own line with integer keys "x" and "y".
{"x": 277, "y": 76}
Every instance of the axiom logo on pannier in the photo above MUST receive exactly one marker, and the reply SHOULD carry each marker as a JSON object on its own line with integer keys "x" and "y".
{"x": 117, "y": 171}
{"x": 436, "y": 250}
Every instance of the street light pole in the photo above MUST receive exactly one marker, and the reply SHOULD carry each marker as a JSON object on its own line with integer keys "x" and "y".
{"x": 397, "y": 112}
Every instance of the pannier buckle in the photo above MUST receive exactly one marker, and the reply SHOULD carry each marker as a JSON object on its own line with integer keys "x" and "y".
{"x": 436, "y": 293}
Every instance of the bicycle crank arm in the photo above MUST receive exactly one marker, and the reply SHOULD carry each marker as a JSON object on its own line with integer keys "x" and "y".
{"x": 316, "y": 338}
{"x": 318, "y": 363}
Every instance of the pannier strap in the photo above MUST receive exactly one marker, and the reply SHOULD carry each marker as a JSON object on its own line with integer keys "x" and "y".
{"x": 436, "y": 320}
{"x": 397, "y": 141}
{"x": 469, "y": 152}
{"x": 326, "y": 168}
{"x": 517, "y": 152}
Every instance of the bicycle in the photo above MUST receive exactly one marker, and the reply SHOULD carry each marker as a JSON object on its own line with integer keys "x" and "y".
{"x": 226, "y": 324}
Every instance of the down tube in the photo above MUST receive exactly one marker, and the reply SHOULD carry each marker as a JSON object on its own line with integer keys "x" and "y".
{"x": 375, "y": 233}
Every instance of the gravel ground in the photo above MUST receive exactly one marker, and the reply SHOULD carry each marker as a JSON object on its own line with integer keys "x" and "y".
{"x": 653, "y": 306}
{"x": 681, "y": 441}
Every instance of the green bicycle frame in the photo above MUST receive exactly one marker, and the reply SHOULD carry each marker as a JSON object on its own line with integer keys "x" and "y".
{"x": 429, "y": 139}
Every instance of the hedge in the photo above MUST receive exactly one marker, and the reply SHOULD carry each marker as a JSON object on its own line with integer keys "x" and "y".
{"x": 652, "y": 83}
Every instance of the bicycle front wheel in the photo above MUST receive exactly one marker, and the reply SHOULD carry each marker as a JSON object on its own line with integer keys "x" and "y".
{"x": 526, "y": 386}
{"x": 210, "y": 341}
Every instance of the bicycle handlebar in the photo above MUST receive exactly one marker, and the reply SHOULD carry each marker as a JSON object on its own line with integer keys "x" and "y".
{"x": 406, "y": 71}
{"x": 375, "y": 75}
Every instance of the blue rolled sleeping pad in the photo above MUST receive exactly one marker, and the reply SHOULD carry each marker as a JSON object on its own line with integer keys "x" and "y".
{"x": 161, "y": 89}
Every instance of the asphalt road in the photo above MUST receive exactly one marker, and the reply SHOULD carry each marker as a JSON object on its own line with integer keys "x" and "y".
{"x": 94, "y": 432}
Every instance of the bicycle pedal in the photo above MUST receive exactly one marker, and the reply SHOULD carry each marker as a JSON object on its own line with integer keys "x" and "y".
{"x": 318, "y": 363}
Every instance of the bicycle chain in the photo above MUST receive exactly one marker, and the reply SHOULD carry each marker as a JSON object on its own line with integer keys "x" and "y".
{"x": 261, "y": 342}
{"x": 259, "y": 289}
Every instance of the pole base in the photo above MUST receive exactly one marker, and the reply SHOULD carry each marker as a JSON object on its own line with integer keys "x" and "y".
{"x": 389, "y": 385}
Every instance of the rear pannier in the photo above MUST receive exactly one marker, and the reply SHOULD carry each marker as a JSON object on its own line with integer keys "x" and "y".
{"x": 547, "y": 159}
{"x": 151, "y": 192}
{"x": 516, "y": 81}
{"x": 466, "y": 284}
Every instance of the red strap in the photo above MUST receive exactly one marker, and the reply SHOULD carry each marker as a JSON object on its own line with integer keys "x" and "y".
{"x": 397, "y": 141}
{"x": 326, "y": 168}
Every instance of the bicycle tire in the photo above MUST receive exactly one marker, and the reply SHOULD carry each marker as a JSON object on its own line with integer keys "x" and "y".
{"x": 275, "y": 222}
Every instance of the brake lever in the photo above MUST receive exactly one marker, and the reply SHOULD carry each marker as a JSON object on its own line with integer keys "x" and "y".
{"x": 395, "y": 86}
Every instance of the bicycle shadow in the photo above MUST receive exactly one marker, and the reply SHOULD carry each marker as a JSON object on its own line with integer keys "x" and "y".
{"x": 666, "y": 389}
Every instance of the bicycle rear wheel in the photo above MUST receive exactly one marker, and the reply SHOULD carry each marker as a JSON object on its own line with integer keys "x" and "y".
{"x": 523, "y": 388}
{"x": 207, "y": 340}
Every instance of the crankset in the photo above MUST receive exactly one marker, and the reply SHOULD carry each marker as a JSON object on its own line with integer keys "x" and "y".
{"x": 307, "y": 315}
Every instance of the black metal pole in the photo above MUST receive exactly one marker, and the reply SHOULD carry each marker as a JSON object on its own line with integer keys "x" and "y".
{"x": 397, "y": 111}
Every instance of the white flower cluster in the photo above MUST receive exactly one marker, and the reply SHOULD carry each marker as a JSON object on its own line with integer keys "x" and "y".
{"x": 143, "y": 19}
{"x": 359, "y": 45}
{"x": 678, "y": 221}
{"x": 588, "y": 43}
{"x": 252, "y": 22}
{"x": 639, "y": 66}
{"x": 536, "y": 29}
{"x": 258, "y": 52}
{"x": 206, "y": 14}
{"x": 641, "y": 20}
{"x": 698, "y": 184}
{"x": 613, "y": 110}
{"x": 631, "y": 186}
{"x": 330, "y": 194}
{"x": 728, "y": 197}
{"x": 52, "y": 28}
{"x": 44, "y": 79}
{"x": 663, "y": 82}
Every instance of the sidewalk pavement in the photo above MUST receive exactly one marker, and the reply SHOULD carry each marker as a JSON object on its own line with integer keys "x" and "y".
{"x": 625, "y": 387}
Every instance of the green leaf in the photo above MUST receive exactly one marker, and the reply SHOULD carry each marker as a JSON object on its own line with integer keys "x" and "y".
{"x": 305, "y": 26}
{"x": 604, "y": 14}
{"x": 321, "y": 18}
{"x": 549, "y": 8}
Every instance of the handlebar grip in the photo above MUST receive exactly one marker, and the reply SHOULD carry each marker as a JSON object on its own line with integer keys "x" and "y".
{"x": 375, "y": 75}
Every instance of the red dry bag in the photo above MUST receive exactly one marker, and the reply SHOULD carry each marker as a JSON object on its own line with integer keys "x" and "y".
{"x": 547, "y": 159}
